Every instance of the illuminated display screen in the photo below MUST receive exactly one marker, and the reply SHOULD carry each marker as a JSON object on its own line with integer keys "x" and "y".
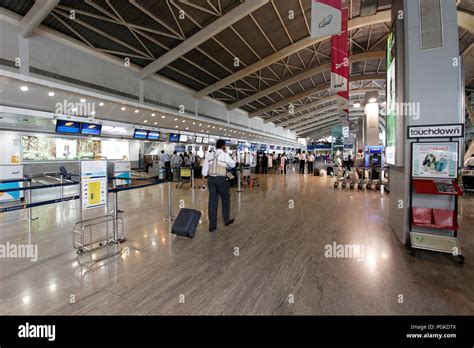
{"x": 140, "y": 134}
{"x": 65, "y": 126}
{"x": 91, "y": 129}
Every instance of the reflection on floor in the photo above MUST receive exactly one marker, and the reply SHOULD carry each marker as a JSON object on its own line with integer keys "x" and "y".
{"x": 271, "y": 261}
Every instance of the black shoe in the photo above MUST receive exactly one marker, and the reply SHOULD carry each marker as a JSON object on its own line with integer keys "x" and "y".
{"x": 212, "y": 229}
{"x": 230, "y": 222}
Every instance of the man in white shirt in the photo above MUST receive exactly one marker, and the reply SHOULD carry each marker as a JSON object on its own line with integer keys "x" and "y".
{"x": 165, "y": 159}
{"x": 302, "y": 158}
{"x": 214, "y": 167}
{"x": 310, "y": 160}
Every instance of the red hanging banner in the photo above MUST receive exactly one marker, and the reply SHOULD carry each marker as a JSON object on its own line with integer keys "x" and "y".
{"x": 340, "y": 65}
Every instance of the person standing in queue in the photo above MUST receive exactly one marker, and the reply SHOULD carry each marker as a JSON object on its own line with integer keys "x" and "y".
{"x": 165, "y": 158}
{"x": 175, "y": 162}
{"x": 302, "y": 158}
{"x": 310, "y": 160}
{"x": 215, "y": 167}
{"x": 264, "y": 163}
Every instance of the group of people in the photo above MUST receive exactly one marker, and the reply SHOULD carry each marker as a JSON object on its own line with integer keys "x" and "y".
{"x": 271, "y": 161}
{"x": 173, "y": 163}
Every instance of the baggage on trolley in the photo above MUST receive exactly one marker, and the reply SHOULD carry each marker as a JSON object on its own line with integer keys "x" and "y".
{"x": 185, "y": 178}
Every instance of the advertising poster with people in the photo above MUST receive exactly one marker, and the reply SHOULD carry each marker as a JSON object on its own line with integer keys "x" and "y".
{"x": 435, "y": 160}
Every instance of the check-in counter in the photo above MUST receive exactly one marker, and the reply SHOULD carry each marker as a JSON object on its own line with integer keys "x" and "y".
{"x": 11, "y": 172}
{"x": 47, "y": 173}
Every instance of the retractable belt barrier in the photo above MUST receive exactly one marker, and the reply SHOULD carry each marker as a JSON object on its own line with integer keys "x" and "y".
{"x": 29, "y": 204}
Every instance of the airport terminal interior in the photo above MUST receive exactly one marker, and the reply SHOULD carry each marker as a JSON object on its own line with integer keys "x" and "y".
{"x": 340, "y": 132}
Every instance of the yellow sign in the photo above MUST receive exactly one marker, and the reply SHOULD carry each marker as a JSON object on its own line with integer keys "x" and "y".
{"x": 94, "y": 192}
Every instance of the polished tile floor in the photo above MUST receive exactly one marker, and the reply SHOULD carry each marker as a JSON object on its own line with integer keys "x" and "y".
{"x": 271, "y": 261}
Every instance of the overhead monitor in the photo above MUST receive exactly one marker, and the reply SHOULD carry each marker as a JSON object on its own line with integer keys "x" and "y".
{"x": 140, "y": 134}
{"x": 198, "y": 140}
{"x": 69, "y": 127}
{"x": 205, "y": 140}
{"x": 174, "y": 138}
{"x": 153, "y": 135}
{"x": 91, "y": 128}
{"x": 183, "y": 138}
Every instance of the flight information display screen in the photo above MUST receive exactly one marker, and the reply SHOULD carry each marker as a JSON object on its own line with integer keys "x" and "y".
{"x": 91, "y": 128}
{"x": 70, "y": 127}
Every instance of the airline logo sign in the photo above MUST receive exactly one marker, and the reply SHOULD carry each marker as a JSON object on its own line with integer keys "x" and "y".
{"x": 436, "y": 131}
{"x": 340, "y": 57}
{"x": 325, "y": 18}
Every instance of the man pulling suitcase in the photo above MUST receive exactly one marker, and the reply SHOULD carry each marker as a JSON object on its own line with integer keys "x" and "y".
{"x": 215, "y": 167}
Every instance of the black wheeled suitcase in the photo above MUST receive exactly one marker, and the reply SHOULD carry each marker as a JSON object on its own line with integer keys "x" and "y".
{"x": 186, "y": 222}
{"x": 316, "y": 172}
{"x": 330, "y": 171}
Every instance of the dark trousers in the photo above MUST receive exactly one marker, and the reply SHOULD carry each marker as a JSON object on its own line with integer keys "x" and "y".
{"x": 310, "y": 167}
{"x": 169, "y": 175}
{"x": 264, "y": 169}
{"x": 301, "y": 166}
{"x": 218, "y": 186}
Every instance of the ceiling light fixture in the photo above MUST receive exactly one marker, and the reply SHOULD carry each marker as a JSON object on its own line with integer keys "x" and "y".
{"x": 51, "y": 94}
{"x": 153, "y": 115}
{"x": 24, "y": 88}
{"x": 123, "y": 108}
{"x": 136, "y": 111}
{"x": 101, "y": 104}
{"x": 82, "y": 100}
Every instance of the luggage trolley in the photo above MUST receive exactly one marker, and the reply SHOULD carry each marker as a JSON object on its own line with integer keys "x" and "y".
{"x": 340, "y": 177}
{"x": 185, "y": 177}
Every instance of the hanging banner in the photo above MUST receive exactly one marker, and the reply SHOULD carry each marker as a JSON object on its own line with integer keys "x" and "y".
{"x": 325, "y": 18}
{"x": 340, "y": 66}
{"x": 340, "y": 57}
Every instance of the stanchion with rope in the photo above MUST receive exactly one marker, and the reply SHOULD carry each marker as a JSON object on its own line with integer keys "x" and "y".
{"x": 29, "y": 195}
{"x": 170, "y": 217}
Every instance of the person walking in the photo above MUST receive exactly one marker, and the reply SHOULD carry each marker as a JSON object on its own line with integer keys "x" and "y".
{"x": 215, "y": 167}
{"x": 302, "y": 158}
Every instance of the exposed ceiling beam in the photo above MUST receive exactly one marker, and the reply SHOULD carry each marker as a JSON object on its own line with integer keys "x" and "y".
{"x": 316, "y": 121}
{"x": 356, "y": 23}
{"x": 304, "y": 94}
{"x": 203, "y": 35}
{"x": 318, "y": 102}
{"x": 311, "y": 117}
{"x": 35, "y": 16}
{"x": 303, "y": 75}
{"x": 316, "y": 133}
{"x": 466, "y": 21}
{"x": 333, "y": 121}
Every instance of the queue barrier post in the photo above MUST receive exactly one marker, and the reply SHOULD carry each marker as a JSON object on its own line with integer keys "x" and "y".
{"x": 170, "y": 217}
{"x": 28, "y": 195}
{"x": 239, "y": 186}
